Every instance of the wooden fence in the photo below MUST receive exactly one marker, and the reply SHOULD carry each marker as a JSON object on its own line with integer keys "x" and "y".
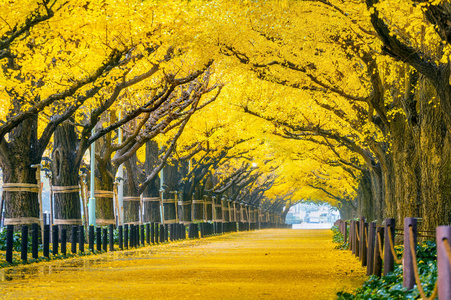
{"x": 374, "y": 246}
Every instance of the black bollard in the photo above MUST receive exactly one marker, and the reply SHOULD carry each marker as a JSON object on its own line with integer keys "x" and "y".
{"x": 63, "y": 241}
{"x": 172, "y": 233}
{"x": 166, "y": 233}
{"x": 132, "y": 235}
{"x": 162, "y": 232}
{"x": 46, "y": 240}
{"x": 24, "y": 244}
{"x": 105, "y": 239}
{"x": 120, "y": 233}
{"x": 99, "y": 238}
{"x": 152, "y": 233}
{"x": 148, "y": 233}
{"x": 73, "y": 239}
{"x": 111, "y": 237}
{"x": 9, "y": 243}
{"x": 126, "y": 236}
{"x": 91, "y": 238}
{"x": 190, "y": 230}
{"x": 137, "y": 235}
{"x": 157, "y": 233}
{"x": 34, "y": 240}
{"x": 81, "y": 238}
{"x": 142, "y": 235}
{"x": 55, "y": 239}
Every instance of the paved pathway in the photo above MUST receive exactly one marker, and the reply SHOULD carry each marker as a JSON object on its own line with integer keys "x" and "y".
{"x": 266, "y": 264}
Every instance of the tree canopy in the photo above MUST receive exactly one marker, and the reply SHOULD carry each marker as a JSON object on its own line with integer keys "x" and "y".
{"x": 342, "y": 102}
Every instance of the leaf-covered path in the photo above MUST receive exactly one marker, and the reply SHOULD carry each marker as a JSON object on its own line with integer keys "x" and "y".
{"x": 266, "y": 264}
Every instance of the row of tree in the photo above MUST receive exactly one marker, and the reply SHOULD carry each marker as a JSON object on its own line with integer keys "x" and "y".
{"x": 76, "y": 72}
{"x": 345, "y": 102}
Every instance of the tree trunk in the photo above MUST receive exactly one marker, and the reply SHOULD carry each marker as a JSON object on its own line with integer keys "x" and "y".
{"x": 104, "y": 187}
{"x": 152, "y": 192}
{"x": 17, "y": 156}
{"x": 66, "y": 198}
{"x": 131, "y": 194}
{"x": 171, "y": 187}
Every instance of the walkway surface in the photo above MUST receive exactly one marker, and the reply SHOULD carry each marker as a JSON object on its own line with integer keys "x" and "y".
{"x": 265, "y": 264}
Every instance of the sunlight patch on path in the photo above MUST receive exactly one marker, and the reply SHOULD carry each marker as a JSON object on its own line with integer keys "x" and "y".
{"x": 266, "y": 264}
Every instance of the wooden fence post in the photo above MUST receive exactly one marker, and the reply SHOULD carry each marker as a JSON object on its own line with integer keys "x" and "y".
{"x": 389, "y": 263}
{"x": 408, "y": 277}
{"x": 345, "y": 233}
{"x": 357, "y": 231}
{"x": 362, "y": 246}
{"x": 377, "y": 269}
{"x": 352, "y": 236}
{"x": 370, "y": 250}
{"x": 443, "y": 262}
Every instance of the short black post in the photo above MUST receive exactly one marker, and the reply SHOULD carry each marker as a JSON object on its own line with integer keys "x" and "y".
{"x": 389, "y": 262}
{"x": 73, "y": 239}
{"x": 46, "y": 240}
{"x": 148, "y": 233}
{"x": 408, "y": 275}
{"x": 157, "y": 234}
{"x": 81, "y": 238}
{"x": 162, "y": 232}
{"x": 55, "y": 239}
{"x": 91, "y": 238}
{"x": 172, "y": 231}
{"x": 121, "y": 244}
{"x": 111, "y": 237}
{"x": 166, "y": 233}
{"x": 190, "y": 230}
{"x": 105, "y": 239}
{"x": 142, "y": 235}
{"x": 202, "y": 230}
{"x": 24, "y": 244}
{"x": 9, "y": 243}
{"x": 132, "y": 235}
{"x": 34, "y": 240}
{"x": 138, "y": 235}
{"x": 377, "y": 269}
{"x": 99, "y": 238}
{"x": 370, "y": 251}
{"x": 63, "y": 241}
{"x": 152, "y": 233}
{"x": 126, "y": 236}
